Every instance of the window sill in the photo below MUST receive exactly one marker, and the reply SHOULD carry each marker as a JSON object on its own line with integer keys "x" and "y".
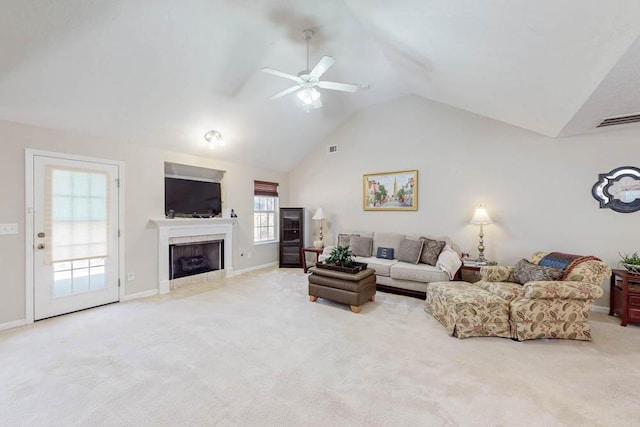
{"x": 266, "y": 242}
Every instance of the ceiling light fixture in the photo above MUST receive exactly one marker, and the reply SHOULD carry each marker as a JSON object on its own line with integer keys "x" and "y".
{"x": 308, "y": 81}
{"x": 214, "y": 138}
{"x": 310, "y": 98}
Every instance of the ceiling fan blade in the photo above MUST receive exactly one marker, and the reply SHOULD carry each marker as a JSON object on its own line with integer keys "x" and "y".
{"x": 285, "y": 92}
{"x": 345, "y": 87}
{"x": 325, "y": 63}
{"x": 281, "y": 74}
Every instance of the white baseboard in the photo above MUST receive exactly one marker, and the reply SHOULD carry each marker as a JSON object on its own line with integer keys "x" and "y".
{"x": 144, "y": 294}
{"x": 14, "y": 324}
{"x": 257, "y": 267}
{"x": 600, "y": 309}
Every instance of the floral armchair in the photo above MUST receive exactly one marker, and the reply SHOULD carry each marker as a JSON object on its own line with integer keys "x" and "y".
{"x": 549, "y": 308}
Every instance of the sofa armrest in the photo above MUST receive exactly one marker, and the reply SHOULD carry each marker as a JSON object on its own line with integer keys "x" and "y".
{"x": 449, "y": 261}
{"x": 495, "y": 273}
{"x": 562, "y": 289}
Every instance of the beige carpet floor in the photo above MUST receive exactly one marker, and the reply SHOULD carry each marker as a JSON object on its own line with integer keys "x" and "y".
{"x": 252, "y": 350}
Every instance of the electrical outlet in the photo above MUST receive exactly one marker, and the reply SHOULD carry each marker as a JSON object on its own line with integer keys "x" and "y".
{"x": 131, "y": 276}
{"x": 8, "y": 228}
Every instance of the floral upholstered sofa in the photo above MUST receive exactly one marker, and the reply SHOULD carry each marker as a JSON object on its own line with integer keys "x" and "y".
{"x": 548, "y": 296}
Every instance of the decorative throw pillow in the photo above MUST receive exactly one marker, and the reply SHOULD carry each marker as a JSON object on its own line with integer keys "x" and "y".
{"x": 525, "y": 271}
{"x": 431, "y": 250}
{"x": 410, "y": 250}
{"x": 385, "y": 253}
{"x": 361, "y": 246}
{"x": 344, "y": 239}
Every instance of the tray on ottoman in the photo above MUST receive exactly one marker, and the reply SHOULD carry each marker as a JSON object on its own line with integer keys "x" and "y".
{"x": 355, "y": 268}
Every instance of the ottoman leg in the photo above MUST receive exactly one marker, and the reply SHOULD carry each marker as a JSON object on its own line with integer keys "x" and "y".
{"x": 372, "y": 299}
{"x": 312, "y": 298}
{"x": 355, "y": 308}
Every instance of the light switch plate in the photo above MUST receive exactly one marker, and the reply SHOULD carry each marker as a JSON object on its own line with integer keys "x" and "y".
{"x": 8, "y": 228}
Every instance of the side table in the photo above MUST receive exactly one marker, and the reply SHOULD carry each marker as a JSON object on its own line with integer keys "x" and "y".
{"x": 474, "y": 272}
{"x": 624, "y": 299}
{"x": 303, "y": 252}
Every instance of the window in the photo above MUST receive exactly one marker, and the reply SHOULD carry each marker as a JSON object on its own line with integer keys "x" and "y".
{"x": 265, "y": 208}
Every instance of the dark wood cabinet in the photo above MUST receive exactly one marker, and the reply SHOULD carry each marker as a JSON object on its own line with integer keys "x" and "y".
{"x": 291, "y": 236}
{"x": 624, "y": 299}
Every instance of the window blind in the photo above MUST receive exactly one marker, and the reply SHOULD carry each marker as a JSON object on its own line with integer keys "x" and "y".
{"x": 76, "y": 214}
{"x": 265, "y": 188}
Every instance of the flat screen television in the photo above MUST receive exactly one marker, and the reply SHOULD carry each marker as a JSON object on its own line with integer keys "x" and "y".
{"x": 187, "y": 197}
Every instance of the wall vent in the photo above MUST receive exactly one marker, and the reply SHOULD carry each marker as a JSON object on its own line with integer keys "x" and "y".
{"x": 620, "y": 120}
{"x": 331, "y": 149}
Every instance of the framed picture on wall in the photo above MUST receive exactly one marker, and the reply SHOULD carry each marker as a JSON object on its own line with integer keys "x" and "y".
{"x": 390, "y": 191}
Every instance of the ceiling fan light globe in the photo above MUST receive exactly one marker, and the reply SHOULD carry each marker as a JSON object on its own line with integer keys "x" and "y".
{"x": 304, "y": 96}
{"x": 315, "y": 94}
{"x": 308, "y": 96}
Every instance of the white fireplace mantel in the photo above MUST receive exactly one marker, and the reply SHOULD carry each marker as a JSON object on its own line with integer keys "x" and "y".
{"x": 186, "y": 227}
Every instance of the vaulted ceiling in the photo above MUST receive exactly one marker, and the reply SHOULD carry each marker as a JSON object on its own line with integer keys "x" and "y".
{"x": 164, "y": 72}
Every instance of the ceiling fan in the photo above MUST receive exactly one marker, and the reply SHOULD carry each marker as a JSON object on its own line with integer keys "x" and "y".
{"x": 308, "y": 80}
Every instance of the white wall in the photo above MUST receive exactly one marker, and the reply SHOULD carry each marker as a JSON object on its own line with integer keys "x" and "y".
{"x": 144, "y": 199}
{"x": 537, "y": 189}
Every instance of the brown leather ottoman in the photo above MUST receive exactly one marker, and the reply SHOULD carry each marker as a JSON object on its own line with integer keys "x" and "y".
{"x": 345, "y": 288}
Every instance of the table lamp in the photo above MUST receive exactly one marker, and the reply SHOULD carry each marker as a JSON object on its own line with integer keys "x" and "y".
{"x": 481, "y": 217}
{"x": 319, "y": 216}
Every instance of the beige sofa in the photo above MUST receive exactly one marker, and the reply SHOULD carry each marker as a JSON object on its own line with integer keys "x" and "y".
{"x": 399, "y": 276}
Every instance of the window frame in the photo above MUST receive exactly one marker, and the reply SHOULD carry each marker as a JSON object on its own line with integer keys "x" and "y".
{"x": 275, "y": 211}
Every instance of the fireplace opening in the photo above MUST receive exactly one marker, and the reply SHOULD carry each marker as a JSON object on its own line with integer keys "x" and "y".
{"x": 187, "y": 259}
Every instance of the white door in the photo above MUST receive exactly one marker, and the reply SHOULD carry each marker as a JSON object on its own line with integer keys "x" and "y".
{"x": 75, "y": 235}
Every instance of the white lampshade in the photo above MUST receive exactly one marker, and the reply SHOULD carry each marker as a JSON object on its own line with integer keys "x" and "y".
{"x": 319, "y": 215}
{"x": 480, "y": 216}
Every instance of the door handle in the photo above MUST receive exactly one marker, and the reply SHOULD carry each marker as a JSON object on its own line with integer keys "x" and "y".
{"x": 40, "y": 246}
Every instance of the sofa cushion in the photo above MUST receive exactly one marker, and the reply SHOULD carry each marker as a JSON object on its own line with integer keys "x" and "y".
{"x": 381, "y": 266}
{"x": 387, "y": 240}
{"x": 418, "y": 272}
{"x": 431, "y": 250}
{"x": 410, "y": 250}
{"x": 525, "y": 271}
{"x": 345, "y": 239}
{"x": 361, "y": 246}
{"x": 386, "y": 253}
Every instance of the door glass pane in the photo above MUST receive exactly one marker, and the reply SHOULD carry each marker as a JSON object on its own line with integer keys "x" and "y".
{"x": 97, "y": 278}
{"x": 97, "y": 261}
{"x": 78, "y": 276}
{"x": 80, "y": 280}
{"x": 80, "y": 263}
{"x": 61, "y": 266}
{"x": 62, "y": 283}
